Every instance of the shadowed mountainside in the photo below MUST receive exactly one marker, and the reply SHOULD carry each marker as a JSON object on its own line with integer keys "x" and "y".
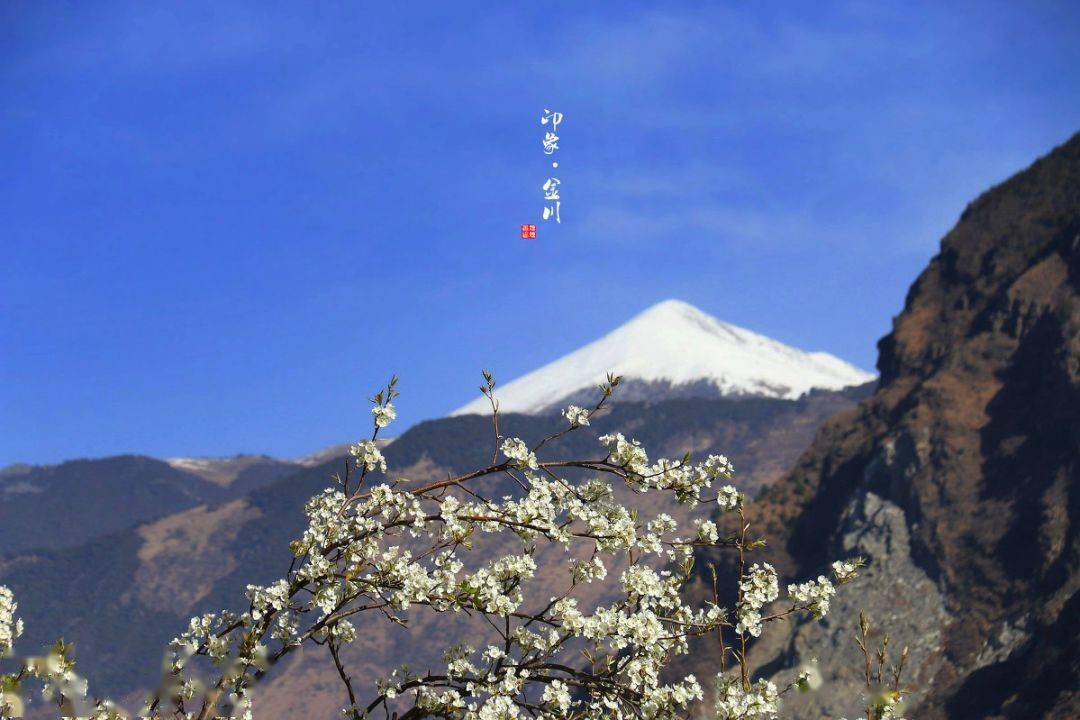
{"x": 958, "y": 478}
{"x": 54, "y": 506}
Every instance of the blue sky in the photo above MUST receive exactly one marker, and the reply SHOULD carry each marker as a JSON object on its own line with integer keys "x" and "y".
{"x": 224, "y": 224}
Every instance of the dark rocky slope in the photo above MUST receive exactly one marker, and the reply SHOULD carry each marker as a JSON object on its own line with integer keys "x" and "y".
{"x": 959, "y": 477}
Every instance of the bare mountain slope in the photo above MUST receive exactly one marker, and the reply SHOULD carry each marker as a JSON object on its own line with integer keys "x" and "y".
{"x": 54, "y": 506}
{"x": 960, "y": 477}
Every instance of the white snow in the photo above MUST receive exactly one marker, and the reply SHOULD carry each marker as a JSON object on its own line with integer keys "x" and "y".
{"x": 674, "y": 342}
{"x": 219, "y": 470}
{"x": 196, "y": 465}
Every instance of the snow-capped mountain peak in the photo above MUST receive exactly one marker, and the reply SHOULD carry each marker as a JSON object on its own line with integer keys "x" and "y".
{"x": 673, "y": 348}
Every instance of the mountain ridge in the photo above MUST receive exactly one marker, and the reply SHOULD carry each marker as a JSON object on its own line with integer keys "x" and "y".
{"x": 75, "y": 501}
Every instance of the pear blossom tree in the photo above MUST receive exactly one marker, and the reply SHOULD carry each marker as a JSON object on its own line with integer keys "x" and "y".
{"x": 392, "y": 548}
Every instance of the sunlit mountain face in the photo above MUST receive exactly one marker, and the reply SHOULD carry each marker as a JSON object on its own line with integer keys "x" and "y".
{"x": 671, "y": 350}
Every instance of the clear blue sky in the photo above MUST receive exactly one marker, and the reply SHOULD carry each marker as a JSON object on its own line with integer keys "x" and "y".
{"x": 223, "y": 224}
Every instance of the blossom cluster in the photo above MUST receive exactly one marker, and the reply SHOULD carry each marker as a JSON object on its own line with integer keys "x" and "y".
{"x": 736, "y": 701}
{"x": 756, "y": 588}
{"x": 384, "y": 414}
{"x": 813, "y": 595}
{"x": 10, "y": 626}
{"x": 684, "y": 479}
{"x": 845, "y": 570}
{"x": 516, "y": 450}
{"x": 576, "y": 415}
{"x": 368, "y": 456}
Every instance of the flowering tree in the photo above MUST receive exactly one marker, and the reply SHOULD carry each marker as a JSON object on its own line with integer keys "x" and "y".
{"x": 394, "y": 548}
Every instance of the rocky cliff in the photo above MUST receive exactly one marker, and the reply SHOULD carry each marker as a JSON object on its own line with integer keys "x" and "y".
{"x": 959, "y": 479}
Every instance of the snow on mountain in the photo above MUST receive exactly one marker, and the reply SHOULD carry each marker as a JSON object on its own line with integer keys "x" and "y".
{"x": 675, "y": 349}
{"x": 222, "y": 470}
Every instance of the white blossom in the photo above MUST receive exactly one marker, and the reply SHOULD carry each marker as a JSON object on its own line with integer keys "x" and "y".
{"x": 557, "y": 696}
{"x": 384, "y": 414}
{"x": 814, "y": 595}
{"x": 728, "y": 498}
{"x": 368, "y": 456}
{"x": 626, "y": 453}
{"x": 758, "y": 587}
{"x": 588, "y": 570}
{"x": 577, "y": 416}
{"x": 516, "y": 450}
{"x": 10, "y": 626}
{"x": 734, "y": 703}
{"x": 845, "y": 570}
{"x": 717, "y": 466}
{"x": 706, "y": 530}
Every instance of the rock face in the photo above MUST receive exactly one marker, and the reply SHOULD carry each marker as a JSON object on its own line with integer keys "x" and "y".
{"x": 900, "y": 596}
{"x": 960, "y": 477}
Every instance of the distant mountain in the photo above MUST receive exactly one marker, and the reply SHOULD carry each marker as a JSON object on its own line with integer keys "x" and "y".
{"x": 15, "y": 469}
{"x": 238, "y": 473}
{"x": 122, "y": 597}
{"x": 675, "y": 350}
{"x": 959, "y": 479}
{"x": 54, "y": 506}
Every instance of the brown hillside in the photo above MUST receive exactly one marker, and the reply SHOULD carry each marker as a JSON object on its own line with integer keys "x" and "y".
{"x": 959, "y": 476}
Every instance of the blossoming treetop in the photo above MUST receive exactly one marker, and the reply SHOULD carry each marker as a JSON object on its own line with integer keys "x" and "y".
{"x": 394, "y": 548}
